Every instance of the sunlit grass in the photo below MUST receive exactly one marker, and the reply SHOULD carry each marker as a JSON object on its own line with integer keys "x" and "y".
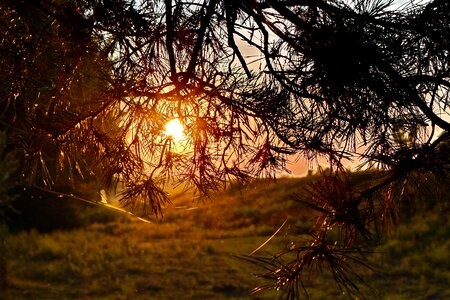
{"x": 191, "y": 254}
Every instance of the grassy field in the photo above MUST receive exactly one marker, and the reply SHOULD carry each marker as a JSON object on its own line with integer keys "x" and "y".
{"x": 191, "y": 253}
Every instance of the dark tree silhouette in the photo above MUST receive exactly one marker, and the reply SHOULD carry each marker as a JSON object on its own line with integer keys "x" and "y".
{"x": 356, "y": 80}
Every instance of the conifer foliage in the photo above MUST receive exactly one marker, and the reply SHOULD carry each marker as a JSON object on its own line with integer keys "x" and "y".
{"x": 88, "y": 85}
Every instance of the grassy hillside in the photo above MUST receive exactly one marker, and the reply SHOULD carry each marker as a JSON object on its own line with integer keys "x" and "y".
{"x": 191, "y": 253}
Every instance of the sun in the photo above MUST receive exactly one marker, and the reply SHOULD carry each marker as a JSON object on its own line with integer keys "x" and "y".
{"x": 174, "y": 130}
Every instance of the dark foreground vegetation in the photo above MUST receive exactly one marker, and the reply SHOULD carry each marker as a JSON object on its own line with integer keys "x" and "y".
{"x": 195, "y": 251}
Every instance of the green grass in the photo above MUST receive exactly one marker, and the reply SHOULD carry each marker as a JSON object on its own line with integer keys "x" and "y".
{"x": 191, "y": 252}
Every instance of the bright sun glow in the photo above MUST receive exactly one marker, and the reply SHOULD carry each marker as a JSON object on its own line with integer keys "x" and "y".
{"x": 174, "y": 130}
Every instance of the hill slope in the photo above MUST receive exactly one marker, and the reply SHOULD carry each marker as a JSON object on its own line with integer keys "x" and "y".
{"x": 190, "y": 253}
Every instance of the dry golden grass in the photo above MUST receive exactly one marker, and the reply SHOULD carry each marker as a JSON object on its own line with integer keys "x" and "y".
{"x": 190, "y": 253}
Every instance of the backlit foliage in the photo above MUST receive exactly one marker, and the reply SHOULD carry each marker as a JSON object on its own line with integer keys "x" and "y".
{"x": 89, "y": 86}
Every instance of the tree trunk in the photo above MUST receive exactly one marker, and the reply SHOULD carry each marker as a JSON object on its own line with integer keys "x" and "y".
{"x": 2, "y": 271}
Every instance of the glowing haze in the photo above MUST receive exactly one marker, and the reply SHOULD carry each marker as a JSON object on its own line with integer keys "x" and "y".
{"x": 174, "y": 130}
